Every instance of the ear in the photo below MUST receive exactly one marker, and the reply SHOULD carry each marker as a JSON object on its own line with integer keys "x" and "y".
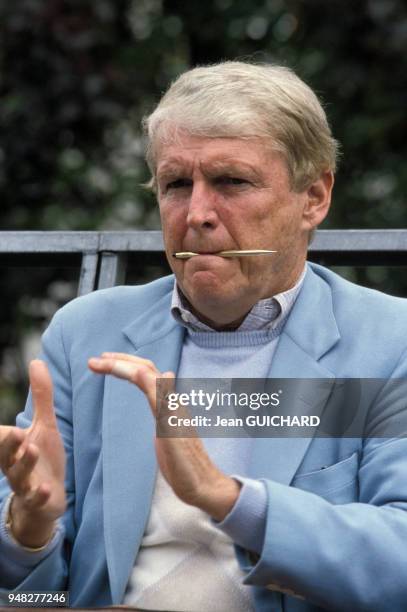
{"x": 318, "y": 200}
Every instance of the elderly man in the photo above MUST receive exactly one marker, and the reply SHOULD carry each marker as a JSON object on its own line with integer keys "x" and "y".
{"x": 242, "y": 159}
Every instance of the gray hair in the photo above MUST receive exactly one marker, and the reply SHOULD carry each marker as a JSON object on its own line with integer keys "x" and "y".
{"x": 249, "y": 101}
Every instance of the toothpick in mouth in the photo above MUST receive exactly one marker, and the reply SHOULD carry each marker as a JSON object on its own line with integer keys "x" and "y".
{"x": 227, "y": 254}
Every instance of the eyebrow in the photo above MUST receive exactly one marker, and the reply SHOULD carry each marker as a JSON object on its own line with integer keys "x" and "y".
{"x": 171, "y": 167}
{"x": 178, "y": 166}
{"x": 230, "y": 166}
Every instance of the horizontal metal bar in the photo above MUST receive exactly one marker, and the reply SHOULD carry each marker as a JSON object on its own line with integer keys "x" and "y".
{"x": 49, "y": 242}
{"x": 360, "y": 241}
{"x": 74, "y": 242}
{"x": 152, "y": 241}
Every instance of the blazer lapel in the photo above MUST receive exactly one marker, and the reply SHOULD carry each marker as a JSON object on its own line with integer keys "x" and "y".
{"x": 309, "y": 333}
{"x": 129, "y": 463}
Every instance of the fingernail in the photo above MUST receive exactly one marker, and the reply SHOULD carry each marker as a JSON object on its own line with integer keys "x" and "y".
{"x": 95, "y": 361}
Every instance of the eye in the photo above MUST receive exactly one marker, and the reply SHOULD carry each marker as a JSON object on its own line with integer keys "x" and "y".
{"x": 231, "y": 180}
{"x": 178, "y": 183}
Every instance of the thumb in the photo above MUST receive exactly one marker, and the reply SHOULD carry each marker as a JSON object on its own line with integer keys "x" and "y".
{"x": 41, "y": 389}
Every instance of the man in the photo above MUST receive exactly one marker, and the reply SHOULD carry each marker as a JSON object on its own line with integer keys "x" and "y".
{"x": 242, "y": 158}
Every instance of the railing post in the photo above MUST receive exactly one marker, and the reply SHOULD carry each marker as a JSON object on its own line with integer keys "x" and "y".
{"x": 112, "y": 269}
{"x": 87, "y": 277}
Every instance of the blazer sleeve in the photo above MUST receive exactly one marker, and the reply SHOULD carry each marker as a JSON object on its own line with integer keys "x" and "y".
{"x": 345, "y": 556}
{"x": 50, "y": 573}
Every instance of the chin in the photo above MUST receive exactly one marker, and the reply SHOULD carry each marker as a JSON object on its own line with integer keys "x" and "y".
{"x": 206, "y": 287}
{"x": 207, "y": 278}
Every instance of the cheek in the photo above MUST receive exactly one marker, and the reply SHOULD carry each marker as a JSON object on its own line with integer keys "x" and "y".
{"x": 251, "y": 215}
{"x": 173, "y": 223}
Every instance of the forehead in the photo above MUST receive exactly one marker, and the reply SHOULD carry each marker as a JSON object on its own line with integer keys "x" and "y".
{"x": 188, "y": 151}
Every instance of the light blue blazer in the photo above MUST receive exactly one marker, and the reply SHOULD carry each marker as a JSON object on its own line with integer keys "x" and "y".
{"x": 336, "y": 536}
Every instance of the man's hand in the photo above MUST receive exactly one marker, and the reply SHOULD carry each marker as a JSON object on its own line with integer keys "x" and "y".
{"x": 33, "y": 461}
{"x": 184, "y": 462}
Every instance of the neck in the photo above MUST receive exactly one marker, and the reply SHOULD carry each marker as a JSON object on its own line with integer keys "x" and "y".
{"x": 226, "y": 325}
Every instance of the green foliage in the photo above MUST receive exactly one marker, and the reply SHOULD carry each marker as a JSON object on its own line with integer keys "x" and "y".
{"x": 78, "y": 76}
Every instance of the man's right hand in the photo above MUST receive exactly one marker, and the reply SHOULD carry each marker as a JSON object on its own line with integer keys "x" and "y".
{"x": 33, "y": 461}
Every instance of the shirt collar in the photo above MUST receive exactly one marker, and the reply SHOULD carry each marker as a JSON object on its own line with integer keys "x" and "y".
{"x": 265, "y": 314}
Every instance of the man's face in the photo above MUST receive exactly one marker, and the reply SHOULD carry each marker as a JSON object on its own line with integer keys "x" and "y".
{"x": 218, "y": 194}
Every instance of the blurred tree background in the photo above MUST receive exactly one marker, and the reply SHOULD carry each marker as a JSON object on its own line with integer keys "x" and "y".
{"x": 77, "y": 76}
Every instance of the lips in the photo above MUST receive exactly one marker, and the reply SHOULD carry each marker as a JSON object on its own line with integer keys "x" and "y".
{"x": 206, "y": 251}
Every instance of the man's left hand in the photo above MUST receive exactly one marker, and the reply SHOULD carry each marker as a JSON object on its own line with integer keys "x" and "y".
{"x": 184, "y": 462}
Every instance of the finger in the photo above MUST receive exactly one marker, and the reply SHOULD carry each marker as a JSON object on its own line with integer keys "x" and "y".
{"x": 120, "y": 368}
{"x": 131, "y": 358}
{"x": 133, "y": 371}
{"x": 19, "y": 474}
{"x": 10, "y": 445}
{"x": 127, "y": 369}
{"x": 42, "y": 394}
{"x": 137, "y": 373}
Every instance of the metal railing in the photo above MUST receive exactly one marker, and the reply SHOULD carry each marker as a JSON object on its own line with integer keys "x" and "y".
{"x": 102, "y": 256}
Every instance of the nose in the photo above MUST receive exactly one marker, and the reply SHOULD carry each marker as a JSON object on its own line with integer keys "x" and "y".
{"x": 202, "y": 212}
